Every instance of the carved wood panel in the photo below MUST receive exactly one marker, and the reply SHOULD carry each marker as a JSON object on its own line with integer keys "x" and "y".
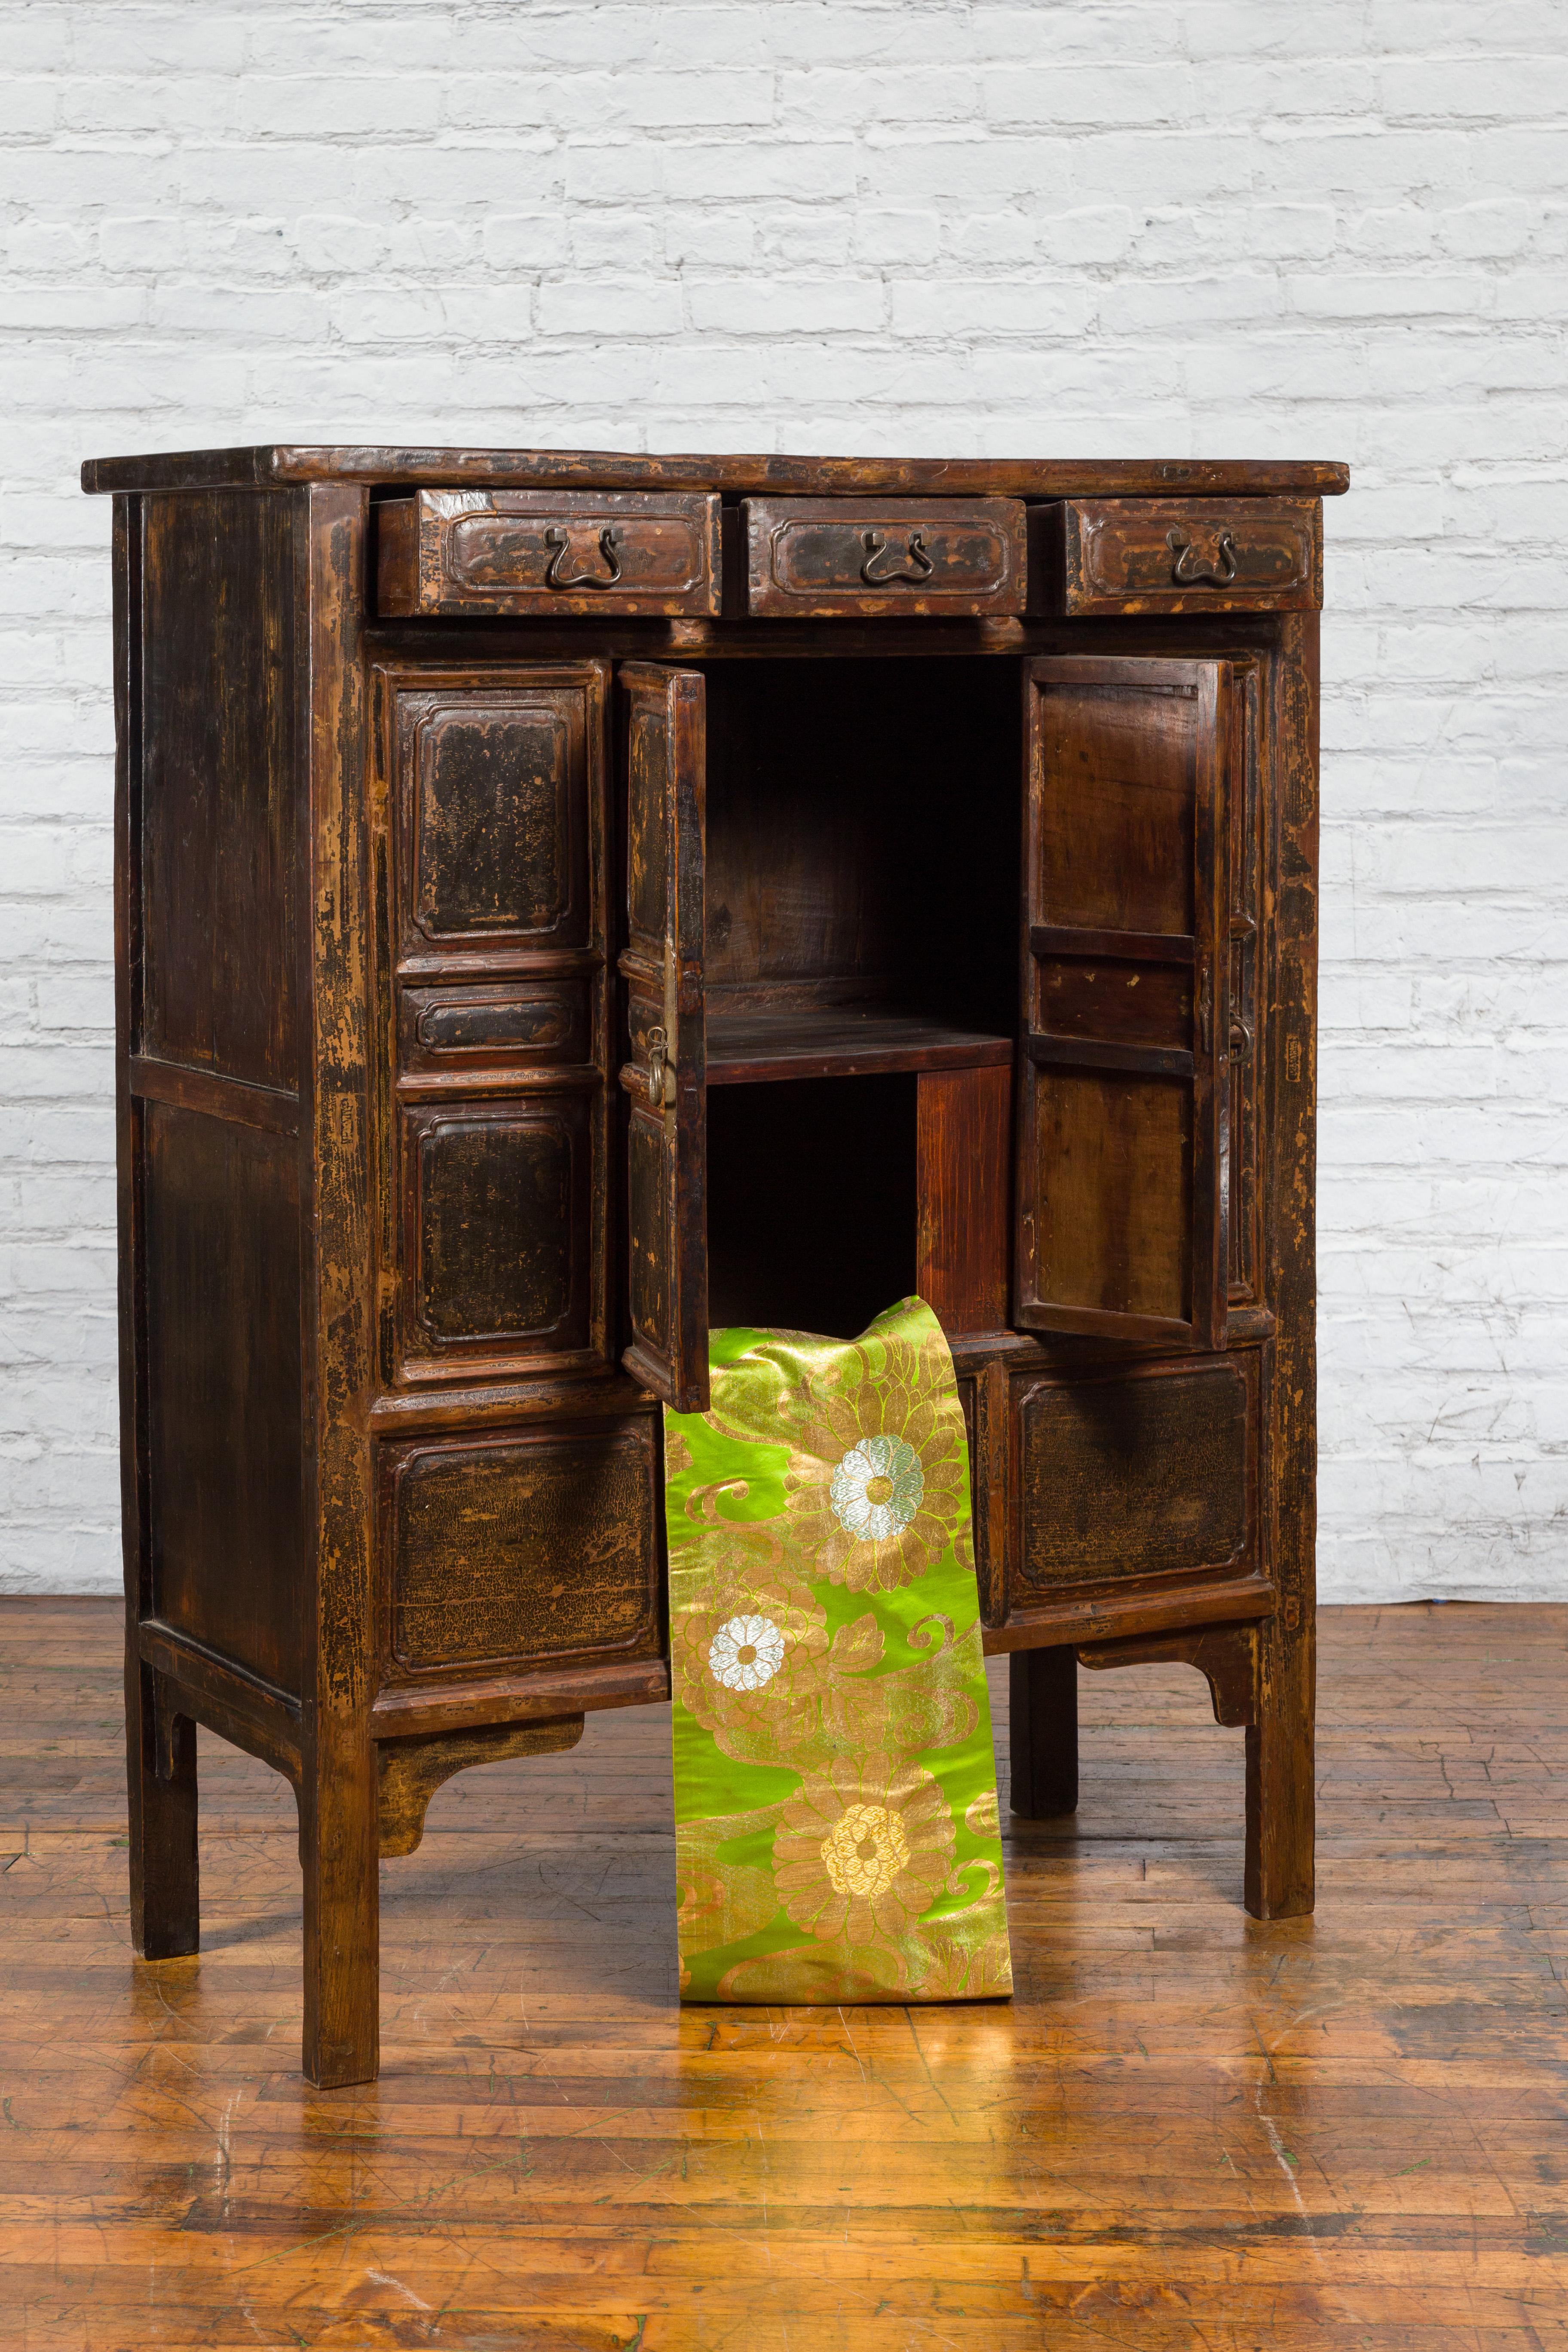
{"x": 1134, "y": 1473}
{"x": 496, "y": 1230}
{"x": 520, "y": 1545}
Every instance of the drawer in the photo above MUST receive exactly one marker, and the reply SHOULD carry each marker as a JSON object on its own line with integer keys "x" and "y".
{"x": 1178, "y": 555}
{"x": 532, "y": 551}
{"x": 815, "y": 559}
{"x": 525, "y": 1023}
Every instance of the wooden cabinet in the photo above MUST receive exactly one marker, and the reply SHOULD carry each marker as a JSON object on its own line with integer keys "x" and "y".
{"x": 568, "y": 903}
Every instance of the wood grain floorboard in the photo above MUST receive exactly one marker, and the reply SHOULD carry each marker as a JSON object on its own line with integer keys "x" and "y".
{"x": 1188, "y": 2132}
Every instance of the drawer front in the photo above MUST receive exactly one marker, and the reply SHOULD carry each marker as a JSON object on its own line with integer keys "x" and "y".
{"x": 521, "y": 1023}
{"x": 532, "y": 552}
{"x": 816, "y": 559}
{"x": 517, "y": 1548}
{"x": 1134, "y": 1476}
{"x": 1191, "y": 555}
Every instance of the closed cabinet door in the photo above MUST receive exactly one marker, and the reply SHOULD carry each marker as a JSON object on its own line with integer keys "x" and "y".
{"x": 1123, "y": 1146}
{"x": 664, "y": 1075}
{"x": 496, "y": 1242}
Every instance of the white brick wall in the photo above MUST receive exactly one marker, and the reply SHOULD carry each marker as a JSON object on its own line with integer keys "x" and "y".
{"x": 1233, "y": 227}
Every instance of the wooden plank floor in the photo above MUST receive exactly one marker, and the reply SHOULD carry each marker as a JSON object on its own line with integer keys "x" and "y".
{"x": 1187, "y": 2130}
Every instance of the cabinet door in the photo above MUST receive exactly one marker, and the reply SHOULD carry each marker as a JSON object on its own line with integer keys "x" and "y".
{"x": 665, "y": 1075}
{"x": 1124, "y": 1103}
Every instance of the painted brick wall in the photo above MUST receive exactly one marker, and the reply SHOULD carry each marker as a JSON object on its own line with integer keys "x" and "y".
{"x": 1233, "y": 227}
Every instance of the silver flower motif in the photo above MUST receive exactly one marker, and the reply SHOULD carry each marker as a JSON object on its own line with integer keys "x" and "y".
{"x": 745, "y": 1652}
{"x": 877, "y": 1488}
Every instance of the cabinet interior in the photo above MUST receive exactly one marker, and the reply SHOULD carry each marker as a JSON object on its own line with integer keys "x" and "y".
{"x": 812, "y": 1206}
{"x": 861, "y": 931}
{"x": 862, "y": 865}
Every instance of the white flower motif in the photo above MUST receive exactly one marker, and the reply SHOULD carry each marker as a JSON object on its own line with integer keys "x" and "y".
{"x": 746, "y": 1653}
{"x": 877, "y": 1488}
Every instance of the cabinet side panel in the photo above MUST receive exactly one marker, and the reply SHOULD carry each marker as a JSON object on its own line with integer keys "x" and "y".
{"x": 225, "y": 1488}
{"x": 220, "y": 762}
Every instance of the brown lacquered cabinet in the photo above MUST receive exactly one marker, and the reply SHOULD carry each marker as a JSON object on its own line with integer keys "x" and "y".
{"x": 567, "y": 903}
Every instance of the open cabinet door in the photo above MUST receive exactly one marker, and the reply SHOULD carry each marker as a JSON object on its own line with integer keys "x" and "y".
{"x": 1123, "y": 1162}
{"x": 665, "y": 1075}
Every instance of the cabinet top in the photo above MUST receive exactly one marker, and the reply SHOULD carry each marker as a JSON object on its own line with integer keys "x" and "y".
{"x": 595, "y": 469}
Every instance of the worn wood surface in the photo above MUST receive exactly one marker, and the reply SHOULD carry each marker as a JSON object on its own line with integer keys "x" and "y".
{"x": 1125, "y": 999}
{"x": 664, "y": 1079}
{"x": 817, "y": 557}
{"x": 1188, "y": 2133}
{"x": 528, "y": 551}
{"x": 1042, "y": 477}
{"x": 1174, "y": 555}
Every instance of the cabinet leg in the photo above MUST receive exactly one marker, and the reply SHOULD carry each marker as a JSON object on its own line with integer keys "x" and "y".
{"x": 337, "y": 1849}
{"x": 161, "y": 1760}
{"x": 1044, "y": 1735}
{"x": 1279, "y": 1801}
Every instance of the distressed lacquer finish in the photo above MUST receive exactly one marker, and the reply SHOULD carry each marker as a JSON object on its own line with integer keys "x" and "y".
{"x": 496, "y": 1019}
{"x": 511, "y": 971}
{"x": 664, "y": 1075}
{"x": 530, "y": 552}
{"x": 1172, "y": 555}
{"x": 816, "y": 558}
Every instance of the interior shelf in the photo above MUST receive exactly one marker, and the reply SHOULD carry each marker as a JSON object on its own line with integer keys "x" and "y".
{"x": 749, "y": 1047}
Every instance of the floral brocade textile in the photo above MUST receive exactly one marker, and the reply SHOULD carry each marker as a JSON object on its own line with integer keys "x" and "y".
{"x": 837, "y": 1835}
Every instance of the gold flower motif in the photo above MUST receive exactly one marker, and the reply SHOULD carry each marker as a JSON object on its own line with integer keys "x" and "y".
{"x": 862, "y": 1849}
{"x": 877, "y": 1486}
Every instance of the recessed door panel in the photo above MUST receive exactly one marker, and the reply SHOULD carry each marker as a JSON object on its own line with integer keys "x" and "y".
{"x": 495, "y": 818}
{"x": 501, "y": 1194}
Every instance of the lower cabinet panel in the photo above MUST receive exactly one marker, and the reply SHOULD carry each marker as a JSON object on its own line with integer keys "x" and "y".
{"x": 1138, "y": 1472}
{"x": 540, "y": 1545}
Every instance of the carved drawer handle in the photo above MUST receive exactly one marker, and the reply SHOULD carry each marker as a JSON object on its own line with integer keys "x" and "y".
{"x": 1190, "y": 569}
{"x": 882, "y": 563}
{"x": 555, "y": 576}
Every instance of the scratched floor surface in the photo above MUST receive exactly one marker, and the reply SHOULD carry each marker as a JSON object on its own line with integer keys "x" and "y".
{"x": 1187, "y": 2130}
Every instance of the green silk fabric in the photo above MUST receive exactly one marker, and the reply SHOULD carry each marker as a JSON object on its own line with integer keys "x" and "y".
{"x": 836, "y": 1832}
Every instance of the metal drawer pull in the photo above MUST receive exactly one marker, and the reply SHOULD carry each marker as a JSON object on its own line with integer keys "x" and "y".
{"x": 1188, "y": 573}
{"x": 557, "y": 578}
{"x": 882, "y": 565}
{"x": 656, "y": 1041}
